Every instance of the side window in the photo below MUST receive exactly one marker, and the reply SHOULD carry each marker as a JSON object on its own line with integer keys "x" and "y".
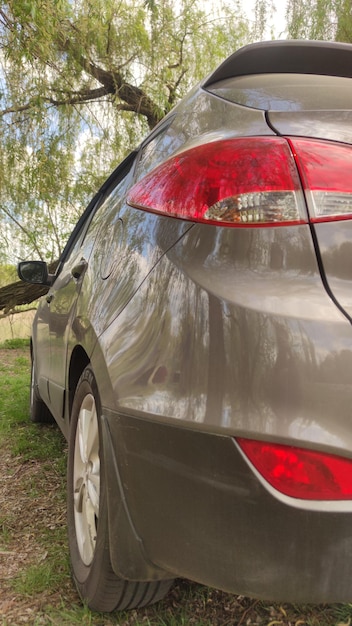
{"x": 87, "y": 228}
{"x": 158, "y": 145}
{"x": 106, "y": 229}
{"x": 108, "y": 209}
{"x": 74, "y": 243}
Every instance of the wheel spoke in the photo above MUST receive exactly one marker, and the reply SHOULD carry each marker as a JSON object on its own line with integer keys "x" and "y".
{"x": 88, "y": 531}
{"x": 84, "y": 423}
{"x": 78, "y": 495}
{"x": 93, "y": 491}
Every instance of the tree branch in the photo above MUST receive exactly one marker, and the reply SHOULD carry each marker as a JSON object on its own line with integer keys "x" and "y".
{"x": 16, "y": 312}
{"x": 136, "y": 99}
{"x": 78, "y": 97}
{"x": 19, "y": 292}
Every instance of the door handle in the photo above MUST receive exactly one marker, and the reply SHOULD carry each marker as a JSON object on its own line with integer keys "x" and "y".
{"x": 79, "y": 269}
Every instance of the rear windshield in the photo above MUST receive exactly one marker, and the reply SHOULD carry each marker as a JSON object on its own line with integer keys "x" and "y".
{"x": 286, "y": 92}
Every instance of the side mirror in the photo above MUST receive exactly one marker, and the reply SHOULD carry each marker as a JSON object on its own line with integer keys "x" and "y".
{"x": 34, "y": 272}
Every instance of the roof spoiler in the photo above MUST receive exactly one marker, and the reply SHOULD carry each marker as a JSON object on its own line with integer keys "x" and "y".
{"x": 287, "y": 56}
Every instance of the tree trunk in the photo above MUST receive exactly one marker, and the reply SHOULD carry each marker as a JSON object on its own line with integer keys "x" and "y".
{"x": 15, "y": 294}
{"x": 19, "y": 293}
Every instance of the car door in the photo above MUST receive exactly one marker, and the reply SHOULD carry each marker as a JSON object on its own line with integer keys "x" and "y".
{"x": 62, "y": 298}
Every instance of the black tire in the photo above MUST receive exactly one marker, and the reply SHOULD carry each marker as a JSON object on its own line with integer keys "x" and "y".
{"x": 38, "y": 411}
{"x": 97, "y": 584}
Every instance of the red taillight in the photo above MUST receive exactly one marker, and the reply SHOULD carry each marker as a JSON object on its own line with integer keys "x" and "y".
{"x": 300, "y": 473}
{"x": 326, "y": 172}
{"x": 249, "y": 181}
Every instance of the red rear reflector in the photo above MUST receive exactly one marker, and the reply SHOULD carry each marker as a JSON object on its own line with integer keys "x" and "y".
{"x": 249, "y": 181}
{"x": 301, "y": 473}
{"x": 326, "y": 172}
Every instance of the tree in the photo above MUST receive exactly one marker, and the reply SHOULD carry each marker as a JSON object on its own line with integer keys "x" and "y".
{"x": 264, "y": 11}
{"x": 81, "y": 82}
{"x": 320, "y": 19}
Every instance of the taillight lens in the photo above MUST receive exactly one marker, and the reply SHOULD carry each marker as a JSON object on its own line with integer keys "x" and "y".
{"x": 300, "y": 473}
{"x": 326, "y": 172}
{"x": 249, "y": 181}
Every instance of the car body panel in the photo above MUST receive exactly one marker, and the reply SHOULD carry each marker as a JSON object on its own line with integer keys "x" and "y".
{"x": 202, "y": 117}
{"x": 318, "y": 124}
{"x": 287, "y": 93}
{"x": 41, "y": 337}
{"x": 182, "y": 368}
{"x": 335, "y": 247}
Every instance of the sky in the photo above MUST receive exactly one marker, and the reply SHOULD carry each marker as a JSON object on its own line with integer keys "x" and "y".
{"x": 276, "y": 26}
{"x": 278, "y": 22}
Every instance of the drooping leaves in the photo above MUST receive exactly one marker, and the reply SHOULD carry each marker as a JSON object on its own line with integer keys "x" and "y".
{"x": 320, "y": 19}
{"x": 81, "y": 81}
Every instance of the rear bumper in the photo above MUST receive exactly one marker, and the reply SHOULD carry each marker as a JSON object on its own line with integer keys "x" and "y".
{"x": 201, "y": 513}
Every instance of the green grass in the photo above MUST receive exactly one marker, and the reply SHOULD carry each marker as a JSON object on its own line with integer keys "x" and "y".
{"x": 37, "y": 579}
{"x": 39, "y": 442}
{"x": 41, "y": 454}
{"x": 13, "y": 344}
{"x": 14, "y": 393}
{"x": 6, "y": 526}
{"x": 32, "y": 443}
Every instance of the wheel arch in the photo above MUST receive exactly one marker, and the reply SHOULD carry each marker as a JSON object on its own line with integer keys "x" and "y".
{"x": 78, "y": 363}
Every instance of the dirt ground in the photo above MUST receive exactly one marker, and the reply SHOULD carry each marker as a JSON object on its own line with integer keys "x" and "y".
{"x": 22, "y": 513}
{"x": 26, "y": 513}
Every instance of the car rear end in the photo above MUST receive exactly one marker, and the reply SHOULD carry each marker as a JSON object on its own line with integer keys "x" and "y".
{"x": 246, "y": 408}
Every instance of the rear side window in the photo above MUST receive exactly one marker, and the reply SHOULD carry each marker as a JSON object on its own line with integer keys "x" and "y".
{"x": 112, "y": 186}
{"x": 287, "y": 92}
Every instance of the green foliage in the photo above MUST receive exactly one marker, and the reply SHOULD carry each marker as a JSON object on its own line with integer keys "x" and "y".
{"x": 27, "y": 440}
{"x": 8, "y": 274}
{"x": 14, "y": 344}
{"x": 320, "y": 19}
{"x": 80, "y": 83}
{"x": 344, "y": 22}
{"x": 39, "y": 577}
{"x": 14, "y": 394}
{"x": 263, "y": 12}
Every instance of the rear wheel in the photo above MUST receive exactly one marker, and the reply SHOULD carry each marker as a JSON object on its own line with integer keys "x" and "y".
{"x": 97, "y": 583}
{"x": 38, "y": 411}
